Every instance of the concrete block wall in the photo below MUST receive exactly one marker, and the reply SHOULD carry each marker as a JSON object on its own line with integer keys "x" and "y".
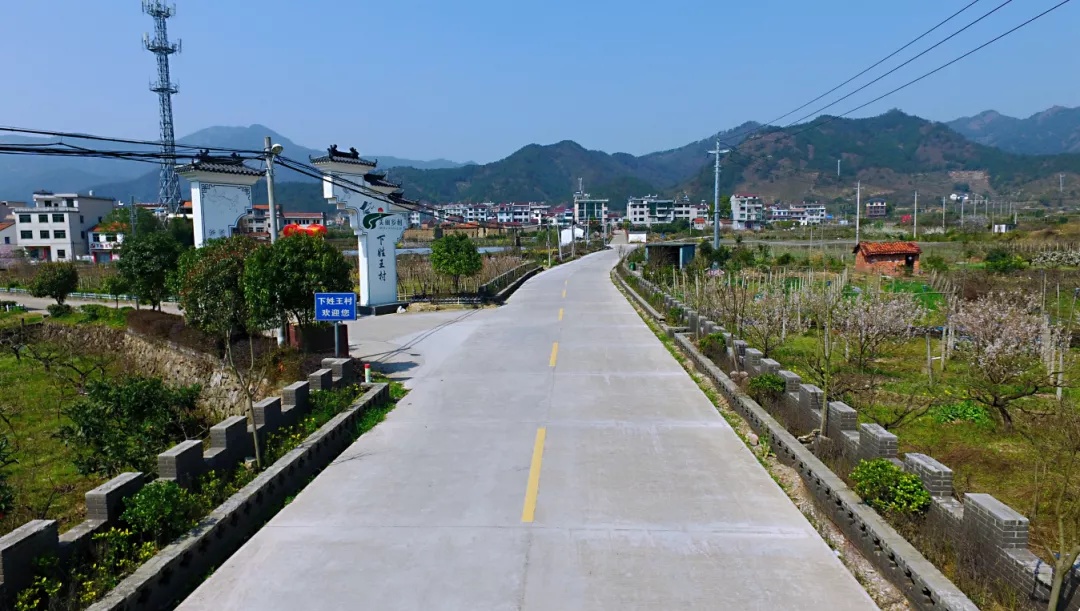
{"x": 981, "y": 520}
{"x": 229, "y": 444}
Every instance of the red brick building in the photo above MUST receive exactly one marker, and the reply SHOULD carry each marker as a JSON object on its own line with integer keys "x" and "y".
{"x": 887, "y": 257}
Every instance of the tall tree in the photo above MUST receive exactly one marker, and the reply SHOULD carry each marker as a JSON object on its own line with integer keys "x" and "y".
{"x": 209, "y": 282}
{"x": 455, "y": 255}
{"x": 146, "y": 260}
{"x": 56, "y": 280}
{"x": 280, "y": 281}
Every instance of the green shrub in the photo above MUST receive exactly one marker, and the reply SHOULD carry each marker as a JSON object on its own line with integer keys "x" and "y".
{"x": 712, "y": 345}
{"x": 93, "y": 312}
{"x": 963, "y": 411}
{"x": 674, "y": 314}
{"x": 785, "y": 259}
{"x": 59, "y": 310}
{"x": 1002, "y": 261}
{"x": 122, "y": 425}
{"x": 889, "y": 489}
{"x": 935, "y": 263}
{"x": 161, "y": 511}
{"x": 767, "y": 387}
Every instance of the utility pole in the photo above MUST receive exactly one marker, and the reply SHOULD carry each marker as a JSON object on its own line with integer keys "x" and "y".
{"x": 858, "y": 209}
{"x": 716, "y": 195}
{"x": 838, "y": 168}
{"x": 942, "y": 215}
{"x": 961, "y": 213}
{"x": 1061, "y": 183}
{"x": 548, "y": 234}
{"x": 132, "y": 216}
{"x": 558, "y": 236}
{"x": 273, "y": 150}
{"x": 915, "y": 219}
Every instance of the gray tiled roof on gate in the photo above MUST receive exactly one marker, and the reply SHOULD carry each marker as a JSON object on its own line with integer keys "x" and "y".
{"x": 333, "y": 154}
{"x": 205, "y": 162}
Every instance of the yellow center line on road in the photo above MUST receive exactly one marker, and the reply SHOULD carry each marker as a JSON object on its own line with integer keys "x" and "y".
{"x": 554, "y": 354}
{"x": 560, "y": 313}
{"x": 564, "y": 293}
{"x": 533, "y": 487}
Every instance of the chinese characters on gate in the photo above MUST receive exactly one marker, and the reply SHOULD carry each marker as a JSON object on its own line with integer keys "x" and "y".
{"x": 335, "y": 306}
{"x": 381, "y": 254}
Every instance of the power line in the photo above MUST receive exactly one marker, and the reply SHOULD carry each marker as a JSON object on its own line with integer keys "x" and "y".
{"x": 767, "y": 124}
{"x": 830, "y": 119}
{"x": 943, "y": 66}
{"x": 924, "y": 52}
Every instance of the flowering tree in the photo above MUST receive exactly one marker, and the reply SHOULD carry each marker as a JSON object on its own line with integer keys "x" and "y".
{"x": 874, "y": 321}
{"x": 1002, "y": 337}
{"x": 769, "y": 317}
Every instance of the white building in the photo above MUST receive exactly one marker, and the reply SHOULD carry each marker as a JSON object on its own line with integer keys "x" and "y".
{"x": 9, "y": 238}
{"x": 513, "y": 213}
{"x": 105, "y": 241}
{"x": 587, "y": 208}
{"x": 747, "y": 211}
{"x": 807, "y": 214}
{"x": 56, "y": 228}
{"x": 257, "y": 219}
{"x": 650, "y": 210}
{"x": 689, "y": 211}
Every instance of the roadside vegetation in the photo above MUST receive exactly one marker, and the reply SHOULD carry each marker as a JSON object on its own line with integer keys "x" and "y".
{"x": 974, "y": 365}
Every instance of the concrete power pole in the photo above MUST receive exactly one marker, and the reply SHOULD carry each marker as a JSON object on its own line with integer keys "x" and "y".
{"x": 915, "y": 219}
{"x": 273, "y": 150}
{"x": 942, "y": 215}
{"x": 858, "y": 209}
{"x": 716, "y": 195}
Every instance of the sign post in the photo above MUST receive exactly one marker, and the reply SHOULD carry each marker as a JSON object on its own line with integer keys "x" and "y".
{"x": 335, "y": 307}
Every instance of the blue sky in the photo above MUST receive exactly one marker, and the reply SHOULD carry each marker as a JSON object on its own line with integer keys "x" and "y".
{"x": 478, "y": 79}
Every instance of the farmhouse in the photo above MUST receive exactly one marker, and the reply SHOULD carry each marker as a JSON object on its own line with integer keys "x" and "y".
{"x": 887, "y": 257}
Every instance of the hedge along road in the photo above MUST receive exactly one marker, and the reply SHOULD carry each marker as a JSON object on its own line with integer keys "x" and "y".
{"x": 554, "y": 462}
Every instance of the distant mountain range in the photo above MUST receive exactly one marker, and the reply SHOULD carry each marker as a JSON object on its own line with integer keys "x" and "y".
{"x": 893, "y": 153}
{"x": 1052, "y": 131}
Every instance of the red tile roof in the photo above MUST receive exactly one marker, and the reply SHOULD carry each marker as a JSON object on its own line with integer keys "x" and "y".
{"x": 5, "y": 224}
{"x": 888, "y": 248}
{"x": 117, "y": 227}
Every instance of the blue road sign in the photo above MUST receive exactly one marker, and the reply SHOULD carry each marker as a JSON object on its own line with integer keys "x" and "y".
{"x": 334, "y": 307}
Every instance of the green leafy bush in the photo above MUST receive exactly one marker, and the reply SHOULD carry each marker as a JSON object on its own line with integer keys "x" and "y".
{"x": 767, "y": 387}
{"x": 1002, "y": 261}
{"x": 889, "y": 489}
{"x": 712, "y": 345}
{"x": 59, "y": 310}
{"x": 963, "y": 411}
{"x": 785, "y": 259}
{"x": 93, "y": 312}
{"x": 935, "y": 263}
{"x": 122, "y": 425}
{"x": 161, "y": 511}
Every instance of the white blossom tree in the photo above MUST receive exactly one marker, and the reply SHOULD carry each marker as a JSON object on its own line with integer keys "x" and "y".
{"x": 1003, "y": 336}
{"x": 769, "y": 316}
{"x": 875, "y": 321}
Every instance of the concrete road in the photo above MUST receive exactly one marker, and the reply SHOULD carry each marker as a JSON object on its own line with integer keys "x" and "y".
{"x": 405, "y": 346}
{"x": 557, "y": 459}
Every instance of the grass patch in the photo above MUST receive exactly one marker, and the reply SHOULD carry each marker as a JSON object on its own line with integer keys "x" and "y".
{"x": 47, "y": 484}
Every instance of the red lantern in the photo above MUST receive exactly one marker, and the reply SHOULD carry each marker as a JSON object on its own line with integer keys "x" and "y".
{"x": 316, "y": 229}
{"x": 291, "y": 229}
